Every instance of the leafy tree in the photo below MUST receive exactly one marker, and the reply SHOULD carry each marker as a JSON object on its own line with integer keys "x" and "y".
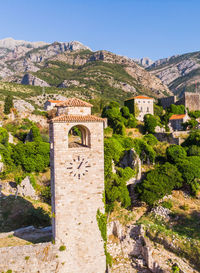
{"x": 190, "y": 170}
{"x": 150, "y": 123}
{"x": 8, "y": 104}
{"x": 35, "y": 133}
{"x": 158, "y": 110}
{"x": 159, "y": 182}
{"x": 175, "y": 153}
{"x": 145, "y": 151}
{"x": 119, "y": 128}
{"x": 118, "y": 118}
{"x": 3, "y": 136}
{"x": 192, "y": 139}
{"x": 150, "y": 139}
{"x": 132, "y": 121}
{"x": 125, "y": 112}
{"x": 193, "y": 150}
{"x": 190, "y": 124}
{"x": 31, "y": 156}
{"x": 194, "y": 114}
{"x": 116, "y": 189}
{"x": 176, "y": 109}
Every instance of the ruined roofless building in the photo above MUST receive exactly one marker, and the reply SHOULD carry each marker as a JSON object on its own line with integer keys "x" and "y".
{"x": 190, "y": 100}
{"x": 77, "y": 182}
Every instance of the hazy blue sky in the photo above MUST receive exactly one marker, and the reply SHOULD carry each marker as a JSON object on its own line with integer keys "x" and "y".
{"x": 134, "y": 28}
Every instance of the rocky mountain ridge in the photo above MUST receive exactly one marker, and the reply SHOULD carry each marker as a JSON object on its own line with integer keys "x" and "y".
{"x": 181, "y": 73}
{"x": 22, "y": 56}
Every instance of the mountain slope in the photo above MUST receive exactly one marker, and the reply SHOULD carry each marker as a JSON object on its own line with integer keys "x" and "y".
{"x": 180, "y": 73}
{"x": 72, "y": 69}
{"x": 21, "y": 56}
{"x": 101, "y": 71}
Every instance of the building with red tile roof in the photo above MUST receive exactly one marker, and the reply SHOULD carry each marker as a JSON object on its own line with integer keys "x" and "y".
{"x": 140, "y": 106}
{"x": 176, "y": 121}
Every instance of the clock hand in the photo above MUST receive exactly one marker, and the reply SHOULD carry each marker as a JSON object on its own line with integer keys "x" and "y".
{"x": 80, "y": 164}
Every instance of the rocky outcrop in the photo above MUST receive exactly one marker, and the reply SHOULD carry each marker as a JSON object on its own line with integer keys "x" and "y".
{"x": 68, "y": 83}
{"x": 11, "y": 43}
{"x": 132, "y": 250}
{"x": 132, "y": 160}
{"x": 29, "y": 79}
{"x": 23, "y": 106}
{"x": 179, "y": 73}
{"x": 145, "y": 62}
{"x": 22, "y": 56}
{"x": 24, "y": 189}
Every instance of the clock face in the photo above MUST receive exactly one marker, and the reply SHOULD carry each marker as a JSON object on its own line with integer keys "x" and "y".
{"x": 79, "y": 167}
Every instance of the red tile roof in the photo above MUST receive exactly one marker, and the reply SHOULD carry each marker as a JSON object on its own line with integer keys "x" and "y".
{"x": 177, "y": 116}
{"x": 141, "y": 97}
{"x": 55, "y": 101}
{"x": 76, "y": 118}
{"x": 74, "y": 102}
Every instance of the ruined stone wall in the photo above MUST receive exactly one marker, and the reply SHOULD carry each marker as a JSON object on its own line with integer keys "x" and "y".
{"x": 76, "y": 199}
{"x": 192, "y": 101}
{"x": 166, "y": 102}
{"x": 30, "y": 259}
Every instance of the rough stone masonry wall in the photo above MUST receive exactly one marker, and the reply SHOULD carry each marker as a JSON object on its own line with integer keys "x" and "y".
{"x": 77, "y": 200}
{"x": 192, "y": 101}
{"x": 82, "y": 111}
{"x": 167, "y": 101}
{"x": 30, "y": 259}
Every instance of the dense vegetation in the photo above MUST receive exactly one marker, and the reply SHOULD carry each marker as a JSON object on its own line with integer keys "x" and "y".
{"x": 30, "y": 155}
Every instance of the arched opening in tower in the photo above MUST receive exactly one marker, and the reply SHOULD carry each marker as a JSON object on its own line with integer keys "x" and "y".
{"x": 79, "y": 136}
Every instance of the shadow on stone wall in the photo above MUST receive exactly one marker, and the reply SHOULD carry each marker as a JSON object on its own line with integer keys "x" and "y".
{"x": 17, "y": 213}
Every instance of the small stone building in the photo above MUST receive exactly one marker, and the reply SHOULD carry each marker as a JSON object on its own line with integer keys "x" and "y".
{"x": 50, "y": 104}
{"x": 176, "y": 121}
{"x": 140, "y": 106}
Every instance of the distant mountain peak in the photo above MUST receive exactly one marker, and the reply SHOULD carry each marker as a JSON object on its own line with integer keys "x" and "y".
{"x": 11, "y": 43}
{"x": 145, "y": 61}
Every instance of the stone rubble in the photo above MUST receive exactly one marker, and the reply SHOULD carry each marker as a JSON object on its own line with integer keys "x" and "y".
{"x": 133, "y": 252}
{"x": 161, "y": 211}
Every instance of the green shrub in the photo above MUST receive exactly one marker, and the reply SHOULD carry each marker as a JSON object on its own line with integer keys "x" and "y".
{"x": 62, "y": 248}
{"x": 150, "y": 123}
{"x": 185, "y": 207}
{"x": 102, "y": 224}
{"x": 145, "y": 151}
{"x": 175, "y": 153}
{"x": 31, "y": 156}
{"x": 46, "y": 194}
{"x": 108, "y": 131}
{"x": 175, "y": 268}
{"x": 40, "y": 113}
{"x": 193, "y": 150}
{"x": 3, "y": 136}
{"x": 193, "y": 139}
{"x": 150, "y": 139}
{"x": 158, "y": 183}
{"x": 167, "y": 204}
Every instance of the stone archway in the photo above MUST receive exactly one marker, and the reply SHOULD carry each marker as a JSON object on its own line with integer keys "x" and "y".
{"x": 79, "y": 136}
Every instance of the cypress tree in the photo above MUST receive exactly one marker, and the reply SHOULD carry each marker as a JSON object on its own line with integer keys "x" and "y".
{"x": 8, "y": 104}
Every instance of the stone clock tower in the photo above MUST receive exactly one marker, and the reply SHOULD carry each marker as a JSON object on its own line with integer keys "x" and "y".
{"x": 77, "y": 182}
